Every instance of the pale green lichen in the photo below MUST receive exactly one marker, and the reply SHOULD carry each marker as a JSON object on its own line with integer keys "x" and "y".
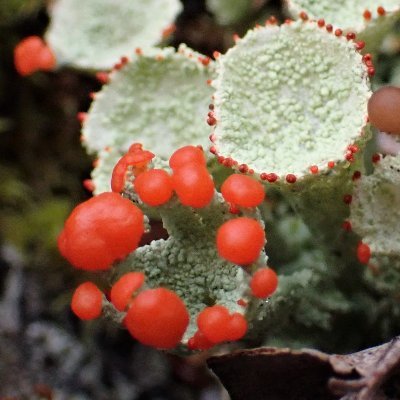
{"x": 289, "y": 97}
{"x": 158, "y": 99}
{"x": 101, "y": 174}
{"x": 344, "y": 14}
{"x": 375, "y": 218}
{"x": 94, "y": 34}
{"x": 372, "y": 213}
{"x": 320, "y": 201}
{"x": 307, "y": 299}
{"x": 348, "y": 15}
{"x": 188, "y": 263}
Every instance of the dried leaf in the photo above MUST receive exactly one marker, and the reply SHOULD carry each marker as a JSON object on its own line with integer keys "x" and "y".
{"x": 284, "y": 374}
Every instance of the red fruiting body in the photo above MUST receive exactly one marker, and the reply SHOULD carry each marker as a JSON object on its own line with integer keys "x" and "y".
{"x": 87, "y": 301}
{"x": 101, "y": 230}
{"x": 363, "y": 253}
{"x": 169, "y": 30}
{"x": 375, "y": 158}
{"x": 350, "y": 36}
{"x": 124, "y": 289}
{"x": 193, "y": 185}
{"x": 118, "y": 176}
{"x": 81, "y": 117}
{"x": 243, "y": 191}
{"x": 213, "y": 150}
{"x": 218, "y": 326}
{"x": 88, "y": 184}
{"x": 329, "y": 28}
{"x": 321, "y": 23}
{"x": 314, "y": 169}
{"x": 237, "y": 327}
{"x": 240, "y": 240}
{"x": 243, "y": 168}
{"x": 347, "y": 198}
{"x": 205, "y": 60}
{"x": 242, "y": 303}
{"x": 187, "y": 154}
{"x": 154, "y": 187}
{"x": 272, "y": 177}
{"x": 233, "y": 209}
{"x": 353, "y": 148}
{"x": 360, "y": 45}
{"x": 347, "y": 226}
{"x": 303, "y": 16}
{"x": 384, "y": 109}
{"x": 381, "y": 11}
{"x": 367, "y": 57}
{"x": 31, "y": 55}
{"x": 158, "y": 318}
{"x": 338, "y": 32}
{"x": 264, "y": 283}
{"x": 137, "y": 158}
{"x": 349, "y": 157}
{"x": 102, "y": 77}
{"x": 228, "y": 162}
{"x": 367, "y": 15}
{"x": 199, "y": 342}
{"x": 331, "y": 164}
{"x": 356, "y": 175}
{"x": 212, "y": 322}
{"x": 291, "y": 178}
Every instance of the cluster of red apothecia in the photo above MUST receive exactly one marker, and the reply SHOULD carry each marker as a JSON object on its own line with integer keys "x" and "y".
{"x": 108, "y": 227}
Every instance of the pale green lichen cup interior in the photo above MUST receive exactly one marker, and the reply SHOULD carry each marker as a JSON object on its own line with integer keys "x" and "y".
{"x": 289, "y": 97}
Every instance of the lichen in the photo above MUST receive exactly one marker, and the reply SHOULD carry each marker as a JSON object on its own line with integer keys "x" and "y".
{"x": 345, "y": 14}
{"x": 188, "y": 262}
{"x": 94, "y": 34}
{"x": 158, "y": 99}
{"x": 372, "y": 213}
{"x": 289, "y": 97}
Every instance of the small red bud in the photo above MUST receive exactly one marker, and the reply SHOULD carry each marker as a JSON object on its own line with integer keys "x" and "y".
{"x": 363, "y": 253}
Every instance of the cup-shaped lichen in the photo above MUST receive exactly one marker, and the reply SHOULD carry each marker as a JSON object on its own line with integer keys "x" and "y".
{"x": 368, "y": 19}
{"x": 105, "y": 30}
{"x": 348, "y": 14}
{"x": 288, "y": 98}
{"x": 158, "y": 98}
